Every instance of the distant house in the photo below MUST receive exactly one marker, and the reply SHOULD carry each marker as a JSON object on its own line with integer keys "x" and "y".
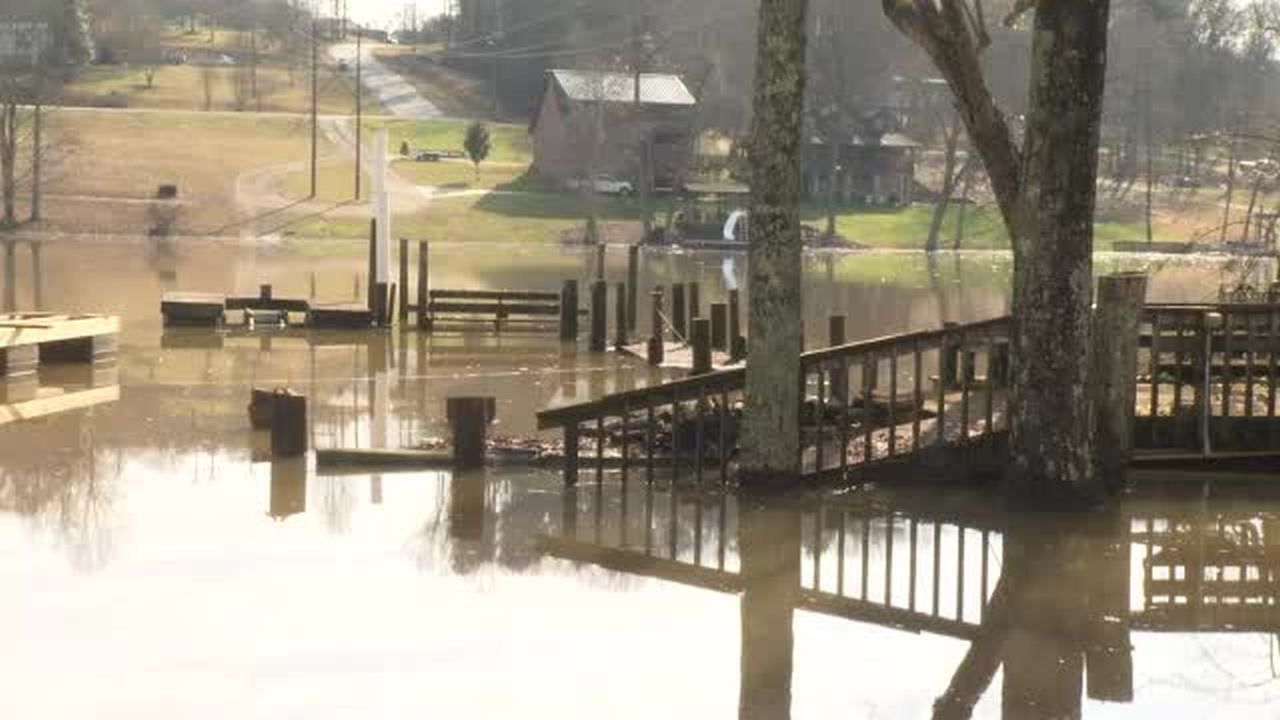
{"x": 874, "y": 166}
{"x": 588, "y": 122}
{"x": 24, "y": 33}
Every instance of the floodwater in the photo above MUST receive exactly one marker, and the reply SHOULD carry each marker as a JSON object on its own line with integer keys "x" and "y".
{"x": 156, "y": 563}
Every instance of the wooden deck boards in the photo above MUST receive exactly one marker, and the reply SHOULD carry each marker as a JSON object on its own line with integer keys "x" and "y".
{"x": 22, "y": 329}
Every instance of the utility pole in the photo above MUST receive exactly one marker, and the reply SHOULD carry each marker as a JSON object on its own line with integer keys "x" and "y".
{"x": 315, "y": 92}
{"x": 359, "y": 107}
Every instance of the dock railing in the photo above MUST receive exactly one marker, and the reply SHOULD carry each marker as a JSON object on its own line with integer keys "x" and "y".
{"x": 918, "y": 391}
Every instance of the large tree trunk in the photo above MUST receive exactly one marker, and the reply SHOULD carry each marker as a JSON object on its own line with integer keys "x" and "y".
{"x": 771, "y": 424}
{"x": 1046, "y": 195}
{"x": 1052, "y": 423}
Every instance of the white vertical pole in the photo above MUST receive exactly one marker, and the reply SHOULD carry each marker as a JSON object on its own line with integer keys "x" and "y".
{"x": 382, "y": 210}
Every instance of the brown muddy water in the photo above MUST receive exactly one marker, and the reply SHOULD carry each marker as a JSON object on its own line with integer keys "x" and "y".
{"x": 154, "y": 563}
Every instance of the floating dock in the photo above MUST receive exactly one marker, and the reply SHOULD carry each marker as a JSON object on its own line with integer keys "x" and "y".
{"x": 29, "y": 339}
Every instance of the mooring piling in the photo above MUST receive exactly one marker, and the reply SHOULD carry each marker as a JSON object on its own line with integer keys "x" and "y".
{"x": 569, "y": 311}
{"x": 678, "y": 312}
{"x": 737, "y": 347}
{"x": 620, "y": 317}
{"x": 657, "y": 335}
{"x": 599, "y": 320}
{"x": 838, "y": 379}
{"x": 288, "y": 424}
{"x": 424, "y": 285}
{"x": 469, "y": 419}
{"x": 701, "y": 346}
{"x": 402, "y": 313}
{"x": 633, "y": 285}
{"x": 1115, "y": 364}
{"x": 719, "y": 326}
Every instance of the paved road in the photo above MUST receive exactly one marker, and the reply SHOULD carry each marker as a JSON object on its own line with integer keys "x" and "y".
{"x": 400, "y": 98}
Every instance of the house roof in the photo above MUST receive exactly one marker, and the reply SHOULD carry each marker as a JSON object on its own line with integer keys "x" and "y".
{"x": 596, "y": 86}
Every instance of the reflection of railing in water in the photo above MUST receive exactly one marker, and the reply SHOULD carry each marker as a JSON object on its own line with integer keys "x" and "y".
{"x": 694, "y": 421}
{"x": 941, "y": 569}
{"x": 1218, "y": 572}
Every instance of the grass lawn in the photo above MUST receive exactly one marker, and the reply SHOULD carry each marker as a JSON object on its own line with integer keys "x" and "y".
{"x": 182, "y": 87}
{"x": 509, "y": 143}
{"x": 123, "y": 154}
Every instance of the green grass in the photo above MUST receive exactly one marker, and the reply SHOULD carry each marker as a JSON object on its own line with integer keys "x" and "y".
{"x": 509, "y": 143}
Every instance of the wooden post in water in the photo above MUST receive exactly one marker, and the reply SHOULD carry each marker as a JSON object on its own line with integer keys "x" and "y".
{"x": 701, "y": 346}
{"x": 599, "y": 320}
{"x": 838, "y": 379}
{"x": 950, "y": 370}
{"x": 265, "y": 291}
{"x": 402, "y": 312}
{"x": 569, "y": 311}
{"x": 657, "y": 336}
{"x": 719, "y": 327}
{"x": 469, "y": 419}
{"x": 678, "y": 313}
{"x": 1115, "y": 369}
{"x": 620, "y": 318}
{"x": 313, "y": 285}
{"x": 371, "y": 289}
{"x": 737, "y": 344}
{"x": 633, "y": 286}
{"x": 288, "y": 425}
{"x": 424, "y": 285}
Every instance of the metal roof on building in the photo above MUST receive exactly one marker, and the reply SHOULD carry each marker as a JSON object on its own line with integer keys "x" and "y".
{"x": 596, "y": 86}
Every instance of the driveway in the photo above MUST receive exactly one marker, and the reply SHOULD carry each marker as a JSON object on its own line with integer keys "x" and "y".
{"x": 400, "y": 98}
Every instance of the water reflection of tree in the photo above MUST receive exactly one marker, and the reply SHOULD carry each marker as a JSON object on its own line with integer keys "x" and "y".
{"x": 66, "y": 490}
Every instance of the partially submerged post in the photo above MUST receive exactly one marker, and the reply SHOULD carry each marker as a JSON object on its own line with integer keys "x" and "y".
{"x": 737, "y": 345}
{"x": 569, "y": 311}
{"x": 288, "y": 424}
{"x": 701, "y": 340}
{"x": 402, "y": 313}
{"x": 633, "y": 285}
{"x": 620, "y": 318}
{"x": 838, "y": 379}
{"x": 1115, "y": 368}
{"x": 424, "y": 285}
{"x": 657, "y": 336}
{"x": 469, "y": 419}
{"x": 719, "y": 326}
{"x": 599, "y": 320}
{"x": 678, "y": 314}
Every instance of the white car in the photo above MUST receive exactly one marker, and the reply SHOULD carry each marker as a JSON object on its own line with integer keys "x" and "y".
{"x": 603, "y": 184}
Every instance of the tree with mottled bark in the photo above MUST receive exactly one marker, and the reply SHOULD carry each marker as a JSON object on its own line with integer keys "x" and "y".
{"x": 771, "y": 431}
{"x": 1046, "y": 193}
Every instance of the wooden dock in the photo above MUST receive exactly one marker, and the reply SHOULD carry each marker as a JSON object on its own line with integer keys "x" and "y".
{"x": 29, "y": 339}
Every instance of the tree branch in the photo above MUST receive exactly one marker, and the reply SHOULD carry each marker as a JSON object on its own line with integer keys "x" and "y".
{"x": 942, "y": 29}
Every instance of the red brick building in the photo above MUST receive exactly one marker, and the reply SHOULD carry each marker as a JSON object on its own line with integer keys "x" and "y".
{"x": 588, "y": 122}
